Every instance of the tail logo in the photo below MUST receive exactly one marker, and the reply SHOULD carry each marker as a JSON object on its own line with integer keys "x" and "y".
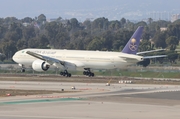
{"x": 132, "y": 45}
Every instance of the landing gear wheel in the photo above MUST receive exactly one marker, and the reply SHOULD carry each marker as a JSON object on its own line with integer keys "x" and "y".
{"x": 84, "y": 72}
{"x": 22, "y": 70}
{"x": 91, "y": 74}
{"x": 68, "y": 75}
{"x": 88, "y": 73}
{"x": 65, "y": 73}
{"x": 61, "y": 73}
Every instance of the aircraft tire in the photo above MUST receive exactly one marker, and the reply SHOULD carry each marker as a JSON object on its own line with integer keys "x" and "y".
{"x": 61, "y": 73}
{"x": 23, "y": 70}
{"x": 69, "y": 75}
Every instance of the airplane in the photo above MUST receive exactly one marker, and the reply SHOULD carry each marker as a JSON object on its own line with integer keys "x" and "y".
{"x": 86, "y": 61}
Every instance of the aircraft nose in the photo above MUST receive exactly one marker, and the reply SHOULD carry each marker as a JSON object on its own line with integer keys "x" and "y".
{"x": 14, "y": 57}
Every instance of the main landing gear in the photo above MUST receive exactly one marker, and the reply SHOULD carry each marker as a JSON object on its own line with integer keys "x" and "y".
{"x": 65, "y": 73}
{"x": 88, "y": 73}
{"x": 23, "y": 70}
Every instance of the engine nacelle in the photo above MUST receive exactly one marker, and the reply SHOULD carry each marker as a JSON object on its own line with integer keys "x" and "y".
{"x": 39, "y": 65}
{"x": 144, "y": 63}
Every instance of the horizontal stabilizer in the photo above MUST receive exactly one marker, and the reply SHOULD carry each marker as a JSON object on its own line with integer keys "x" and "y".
{"x": 156, "y": 56}
{"x": 144, "y": 52}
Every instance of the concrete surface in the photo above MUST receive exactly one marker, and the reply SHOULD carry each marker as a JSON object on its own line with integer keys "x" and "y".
{"x": 92, "y": 101}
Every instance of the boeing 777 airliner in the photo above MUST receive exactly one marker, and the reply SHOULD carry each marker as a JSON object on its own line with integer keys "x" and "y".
{"x": 43, "y": 59}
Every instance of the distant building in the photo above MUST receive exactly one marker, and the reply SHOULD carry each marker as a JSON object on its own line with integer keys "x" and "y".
{"x": 163, "y": 29}
{"x": 175, "y": 17}
{"x": 51, "y": 20}
{"x": 26, "y": 24}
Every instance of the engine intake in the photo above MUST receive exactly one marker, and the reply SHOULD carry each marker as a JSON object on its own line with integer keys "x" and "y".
{"x": 39, "y": 65}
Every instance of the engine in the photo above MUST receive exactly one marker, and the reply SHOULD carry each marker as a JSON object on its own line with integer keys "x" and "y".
{"x": 144, "y": 63}
{"x": 39, "y": 65}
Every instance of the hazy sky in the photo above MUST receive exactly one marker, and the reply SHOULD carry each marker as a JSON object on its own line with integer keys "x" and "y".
{"x": 80, "y": 8}
{"x": 22, "y": 8}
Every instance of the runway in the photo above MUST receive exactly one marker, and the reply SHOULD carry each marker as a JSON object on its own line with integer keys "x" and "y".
{"x": 91, "y": 101}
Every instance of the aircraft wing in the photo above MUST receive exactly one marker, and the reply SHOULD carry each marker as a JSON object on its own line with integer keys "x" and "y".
{"x": 52, "y": 61}
{"x": 45, "y": 58}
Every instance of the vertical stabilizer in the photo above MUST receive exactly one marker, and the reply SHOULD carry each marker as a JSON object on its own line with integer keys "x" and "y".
{"x": 133, "y": 44}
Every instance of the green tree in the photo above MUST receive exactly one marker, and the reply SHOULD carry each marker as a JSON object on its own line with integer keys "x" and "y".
{"x": 145, "y": 45}
{"x": 108, "y": 40}
{"x": 2, "y": 57}
{"x": 12, "y": 36}
{"x": 174, "y": 30}
{"x": 15, "y": 32}
{"x": 114, "y": 25}
{"x": 160, "y": 40}
{"x": 87, "y": 24}
{"x": 21, "y": 44}
{"x": 74, "y": 23}
{"x": 41, "y": 19}
{"x": 43, "y": 41}
{"x": 141, "y": 23}
{"x": 123, "y": 21}
{"x": 29, "y": 32}
{"x": 58, "y": 19}
{"x": 10, "y": 20}
{"x": 100, "y": 23}
{"x": 3, "y": 31}
{"x": 33, "y": 43}
{"x": 172, "y": 41}
{"x": 9, "y": 49}
{"x": 95, "y": 44}
{"x": 120, "y": 39}
{"x": 172, "y": 57}
{"x": 150, "y": 20}
{"x": 27, "y": 20}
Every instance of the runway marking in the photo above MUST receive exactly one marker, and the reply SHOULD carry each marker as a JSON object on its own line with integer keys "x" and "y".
{"x": 39, "y": 101}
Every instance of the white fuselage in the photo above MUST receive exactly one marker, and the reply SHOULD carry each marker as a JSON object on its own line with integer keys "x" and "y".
{"x": 82, "y": 59}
